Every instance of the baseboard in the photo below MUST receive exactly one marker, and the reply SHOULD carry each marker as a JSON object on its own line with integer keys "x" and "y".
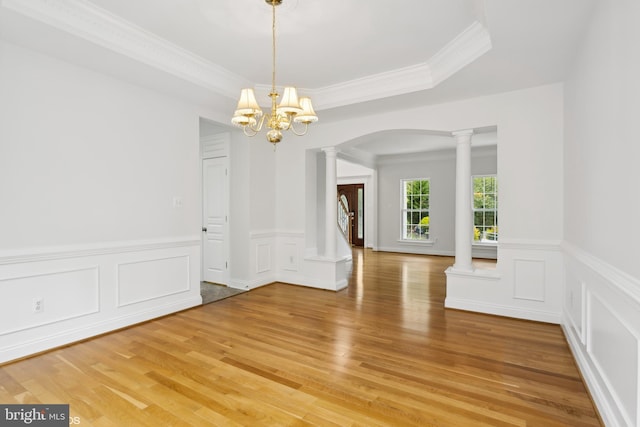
{"x": 35, "y": 346}
{"x": 502, "y": 310}
{"x": 91, "y": 289}
{"x": 414, "y": 249}
{"x": 598, "y": 394}
{"x": 250, "y": 284}
{"x": 600, "y": 322}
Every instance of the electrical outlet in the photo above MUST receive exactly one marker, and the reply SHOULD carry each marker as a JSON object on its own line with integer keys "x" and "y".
{"x": 38, "y": 305}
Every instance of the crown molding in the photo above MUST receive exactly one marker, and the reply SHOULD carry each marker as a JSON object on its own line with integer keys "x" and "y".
{"x": 382, "y": 85}
{"x": 89, "y": 22}
{"x": 468, "y": 46}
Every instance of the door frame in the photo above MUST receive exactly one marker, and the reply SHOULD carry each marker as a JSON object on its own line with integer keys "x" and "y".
{"x": 215, "y": 146}
{"x": 351, "y": 193}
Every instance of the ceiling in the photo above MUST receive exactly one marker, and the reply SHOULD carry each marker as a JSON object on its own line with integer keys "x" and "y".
{"x": 352, "y": 56}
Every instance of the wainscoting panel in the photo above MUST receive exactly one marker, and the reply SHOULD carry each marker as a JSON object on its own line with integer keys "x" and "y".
{"x": 44, "y": 298}
{"x": 145, "y": 280}
{"x": 290, "y": 256}
{"x": 50, "y": 298}
{"x": 281, "y": 256}
{"x": 263, "y": 257}
{"x": 575, "y": 304}
{"x": 530, "y": 281}
{"x": 608, "y": 351}
{"x": 526, "y": 283}
{"x": 617, "y": 366}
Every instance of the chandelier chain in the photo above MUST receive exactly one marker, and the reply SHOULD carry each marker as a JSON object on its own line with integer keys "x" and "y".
{"x": 273, "y": 45}
{"x": 283, "y": 117}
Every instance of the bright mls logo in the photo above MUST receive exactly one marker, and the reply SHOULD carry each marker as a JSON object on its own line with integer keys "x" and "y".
{"x": 34, "y": 415}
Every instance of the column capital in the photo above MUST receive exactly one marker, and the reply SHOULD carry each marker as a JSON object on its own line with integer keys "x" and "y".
{"x": 462, "y": 133}
{"x": 329, "y": 150}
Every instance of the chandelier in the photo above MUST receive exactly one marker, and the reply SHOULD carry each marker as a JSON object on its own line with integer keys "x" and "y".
{"x": 291, "y": 112}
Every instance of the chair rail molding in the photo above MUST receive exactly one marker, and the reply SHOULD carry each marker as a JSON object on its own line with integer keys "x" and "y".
{"x": 87, "y": 290}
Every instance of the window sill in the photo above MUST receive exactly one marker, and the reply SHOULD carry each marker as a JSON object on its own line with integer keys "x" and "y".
{"x": 416, "y": 242}
{"x": 485, "y": 244}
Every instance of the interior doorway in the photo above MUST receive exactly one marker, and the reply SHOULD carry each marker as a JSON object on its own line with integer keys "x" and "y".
{"x": 215, "y": 141}
{"x": 215, "y": 228}
{"x": 353, "y": 196}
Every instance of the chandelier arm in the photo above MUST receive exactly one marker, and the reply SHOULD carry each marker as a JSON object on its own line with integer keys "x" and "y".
{"x": 295, "y": 131}
{"x": 258, "y": 127}
{"x": 249, "y": 131}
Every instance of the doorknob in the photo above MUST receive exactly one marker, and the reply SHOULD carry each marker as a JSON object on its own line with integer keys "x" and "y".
{"x": 204, "y": 229}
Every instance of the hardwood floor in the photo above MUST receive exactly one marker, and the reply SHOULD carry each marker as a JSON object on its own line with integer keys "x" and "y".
{"x": 383, "y": 352}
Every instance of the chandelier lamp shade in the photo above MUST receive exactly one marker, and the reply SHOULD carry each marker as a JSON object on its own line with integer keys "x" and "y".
{"x": 293, "y": 113}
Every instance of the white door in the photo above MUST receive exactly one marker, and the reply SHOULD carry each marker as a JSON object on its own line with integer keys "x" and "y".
{"x": 215, "y": 229}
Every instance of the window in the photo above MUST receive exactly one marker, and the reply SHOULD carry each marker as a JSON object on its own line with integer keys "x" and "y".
{"x": 485, "y": 209}
{"x": 415, "y": 209}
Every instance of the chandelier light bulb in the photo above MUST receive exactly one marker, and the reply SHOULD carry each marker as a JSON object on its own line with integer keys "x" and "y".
{"x": 283, "y": 117}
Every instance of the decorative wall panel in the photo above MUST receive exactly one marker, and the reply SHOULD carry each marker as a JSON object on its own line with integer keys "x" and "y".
{"x": 58, "y": 295}
{"x": 529, "y": 283}
{"x": 145, "y": 280}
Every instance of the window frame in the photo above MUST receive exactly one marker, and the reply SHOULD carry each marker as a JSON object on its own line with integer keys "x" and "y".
{"x": 484, "y": 210}
{"x": 404, "y": 211}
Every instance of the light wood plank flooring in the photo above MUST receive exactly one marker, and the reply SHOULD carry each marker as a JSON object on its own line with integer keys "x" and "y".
{"x": 383, "y": 352}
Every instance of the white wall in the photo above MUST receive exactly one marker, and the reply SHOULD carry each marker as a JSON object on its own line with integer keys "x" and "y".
{"x": 530, "y": 133}
{"x": 528, "y": 279}
{"x": 89, "y": 170}
{"x": 253, "y": 260}
{"x": 262, "y": 199}
{"x": 86, "y": 158}
{"x": 602, "y": 207}
{"x": 239, "y": 210}
{"x": 440, "y": 168}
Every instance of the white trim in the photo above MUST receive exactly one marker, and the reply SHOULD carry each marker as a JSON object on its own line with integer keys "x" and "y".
{"x": 502, "y": 310}
{"x": 530, "y": 244}
{"x": 591, "y": 378}
{"x": 118, "y": 280}
{"x": 625, "y": 283}
{"x": 86, "y": 331}
{"x": 465, "y": 48}
{"x": 376, "y": 86}
{"x": 94, "y": 310}
{"x": 268, "y": 234}
{"x": 251, "y": 284}
{"x": 618, "y": 293}
{"x": 473, "y": 42}
{"x": 411, "y": 249}
{"x": 476, "y": 273}
{"x": 89, "y": 22}
{"x": 103, "y": 248}
{"x": 425, "y": 243}
{"x": 478, "y": 244}
{"x": 82, "y": 19}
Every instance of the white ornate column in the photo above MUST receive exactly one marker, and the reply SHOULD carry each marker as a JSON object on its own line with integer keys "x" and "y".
{"x": 331, "y": 202}
{"x": 464, "y": 221}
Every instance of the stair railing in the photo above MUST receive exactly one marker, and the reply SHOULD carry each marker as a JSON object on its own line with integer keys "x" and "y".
{"x": 345, "y": 220}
